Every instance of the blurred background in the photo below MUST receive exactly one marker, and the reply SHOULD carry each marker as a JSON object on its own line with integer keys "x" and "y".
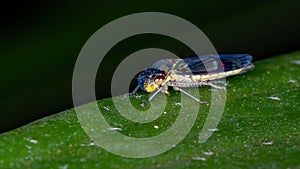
{"x": 40, "y": 41}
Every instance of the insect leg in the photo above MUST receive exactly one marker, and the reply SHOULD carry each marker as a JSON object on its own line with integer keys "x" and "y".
{"x": 135, "y": 90}
{"x": 191, "y": 96}
{"x": 213, "y": 85}
{"x": 152, "y": 96}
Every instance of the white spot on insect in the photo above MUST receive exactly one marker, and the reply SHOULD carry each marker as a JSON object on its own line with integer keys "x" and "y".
{"x": 155, "y": 126}
{"x": 267, "y": 143}
{"x": 114, "y": 129}
{"x": 274, "y": 98}
{"x": 214, "y": 129}
{"x": 199, "y": 158}
{"x": 66, "y": 166}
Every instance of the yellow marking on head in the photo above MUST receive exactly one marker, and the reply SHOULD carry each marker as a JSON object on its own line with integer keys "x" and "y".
{"x": 150, "y": 88}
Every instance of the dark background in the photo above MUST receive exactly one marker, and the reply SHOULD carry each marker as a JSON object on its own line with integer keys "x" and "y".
{"x": 40, "y": 41}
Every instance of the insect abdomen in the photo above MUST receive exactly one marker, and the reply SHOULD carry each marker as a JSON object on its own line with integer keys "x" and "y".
{"x": 200, "y": 80}
{"x": 185, "y": 84}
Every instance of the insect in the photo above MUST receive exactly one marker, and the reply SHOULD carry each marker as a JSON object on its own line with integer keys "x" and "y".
{"x": 191, "y": 72}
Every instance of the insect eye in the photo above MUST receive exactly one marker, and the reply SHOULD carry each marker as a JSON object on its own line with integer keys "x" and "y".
{"x": 156, "y": 80}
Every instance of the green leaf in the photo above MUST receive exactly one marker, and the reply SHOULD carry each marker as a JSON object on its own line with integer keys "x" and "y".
{"x": 260, "y": 128}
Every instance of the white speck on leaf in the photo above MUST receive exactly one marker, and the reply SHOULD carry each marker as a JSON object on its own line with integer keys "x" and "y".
{"x": 106, "y": 108}
{"x": 274, "y": 98}
{"x": 297, "y": 62}
{"x": 82, "y": 159}
{"x": 89, "y": 144}
{"x": 268, "y": 143}
{"x": 177, "y": 104}
{"x": 31, "y": 140}
{"x": 114, "y": 129}
{"x": 199, "y": 158}
{"x": 92, "y": 144}
{"x": 29, "y": 147}
{"x": 138, "y": 96}
{"x": 66, "y": 166}
{"x": 208, "y": 153}
{"x": 292, "y": 81}
{"x": 156, "y": 127}
{"x": 215, "y": 129}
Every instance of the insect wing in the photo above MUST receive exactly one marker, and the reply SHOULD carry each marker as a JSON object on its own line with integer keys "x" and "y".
{"x": 194, "y": 65}
{"x": 204, "y": 64}
{"x": 235, "y": 61}
{"x": 199, "y": 65}
{"x": 165, "y": 64}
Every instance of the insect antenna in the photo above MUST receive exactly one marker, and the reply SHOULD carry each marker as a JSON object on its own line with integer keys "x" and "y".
{"x": 133, "y": 77}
